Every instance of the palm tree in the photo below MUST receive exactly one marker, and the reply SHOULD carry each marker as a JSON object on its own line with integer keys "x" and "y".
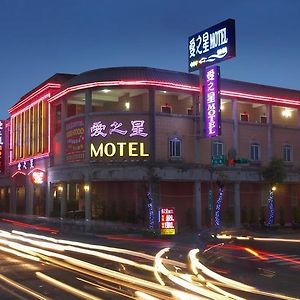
{"x": 273, "y": 174}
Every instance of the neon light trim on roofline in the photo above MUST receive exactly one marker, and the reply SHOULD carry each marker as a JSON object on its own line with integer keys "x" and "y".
{"x": 268, "y": 99}
{"x": 30, "y": 105}
{"x": 261, "y": 98}
{"x": 124, "y": 83}
{"x": 34, "y": 94}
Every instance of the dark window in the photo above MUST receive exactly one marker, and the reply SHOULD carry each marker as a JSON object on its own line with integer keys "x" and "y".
{"x": 245, "y": 117}
{"x": 166, "y": 109}
{"x": 263, "y": 119}
{"x": 217, "y": 148}
{"x": 175, "y": 148}
{"x": 255, "y": 152}
{"x": 287, "y": 153}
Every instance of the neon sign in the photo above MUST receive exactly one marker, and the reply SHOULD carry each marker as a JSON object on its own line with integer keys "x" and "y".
{"x": 1, "y": 147}
{"x": 75, "y": 140}
{"x": 38, "y": 177}
{"x": 211, "y": 95}
{"x": 26, "y": 164}
{"x": 121, "y": 149}
{"x": 212, "y": 45}
{"x": 100, "y": 129}
{"x": 167, "y": 221}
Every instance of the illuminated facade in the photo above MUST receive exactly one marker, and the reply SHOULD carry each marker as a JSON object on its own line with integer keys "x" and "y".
{"x": 104, "y": 142}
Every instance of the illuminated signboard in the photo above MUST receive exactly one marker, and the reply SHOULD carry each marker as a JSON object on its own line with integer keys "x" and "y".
{"x": 211, "y": 102}
{"x": 167, "y": 221}
{"x": 38, "y": 177}
{"x": 131, "y": 144}
{"x": 26, "y": 164}
{"x": 1, "y": 147}
{"x": 212, "y": 45}
{"x": 75, "y": 139}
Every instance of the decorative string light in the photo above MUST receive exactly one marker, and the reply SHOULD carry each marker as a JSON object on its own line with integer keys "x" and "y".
{"x": 218, "y": 206}
{"x": 150, "y": 211}
{"x": 271, "y": 208}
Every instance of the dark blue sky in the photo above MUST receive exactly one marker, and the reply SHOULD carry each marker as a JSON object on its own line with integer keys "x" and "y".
{"x": 40, "y": 38}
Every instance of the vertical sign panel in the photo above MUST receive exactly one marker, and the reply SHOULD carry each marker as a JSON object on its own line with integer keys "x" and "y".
{"x": 211, "y": 101}
{"x": 75, "y": 139}
{"x": 167, "y": 221}
{"x": 2, "y": 128}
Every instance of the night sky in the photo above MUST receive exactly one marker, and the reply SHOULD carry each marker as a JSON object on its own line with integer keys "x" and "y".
{"x": 40, "y": 38}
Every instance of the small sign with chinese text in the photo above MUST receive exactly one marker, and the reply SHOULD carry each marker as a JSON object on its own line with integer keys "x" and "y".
{"x": 212, "y": 45}
{"x": 167, "y": 221}
{"x": 211, "y": 102}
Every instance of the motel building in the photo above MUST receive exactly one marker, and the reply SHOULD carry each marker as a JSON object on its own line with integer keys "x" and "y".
{"x": 105, "y": 143}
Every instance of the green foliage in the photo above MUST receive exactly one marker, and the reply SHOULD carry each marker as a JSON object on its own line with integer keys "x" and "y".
{"x": 275, "y": 172}
{"x": 282, "y": 216}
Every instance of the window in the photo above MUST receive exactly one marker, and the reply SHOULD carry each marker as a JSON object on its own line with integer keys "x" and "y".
{"x": 255, "y": 152}
{"x": 166, "y": 109}
{"x": 244, "y": 117}
{"x": 190, "y": 111}
{"x": 287, "y": 153}
{"x": 175, "y": 148}
{"x": 263, "y": 119}
{"x": 217, "y": 148}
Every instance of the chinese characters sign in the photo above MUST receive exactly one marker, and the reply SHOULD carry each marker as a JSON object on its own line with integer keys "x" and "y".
{"x": 26, "y": 164}
{"x": 2, "y": 160}
{"x": 38, "y": 177}
{"x": 167, "y": 221}
{"x": 75, "y": 138}
{"x": 211, "y": 102}
{"x": 212, "y": 45}
{"x": 137, "y": 129}
{"x": 123, "y": 140}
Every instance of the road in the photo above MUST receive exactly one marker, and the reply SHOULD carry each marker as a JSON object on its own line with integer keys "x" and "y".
{"x": 41, "y": 265}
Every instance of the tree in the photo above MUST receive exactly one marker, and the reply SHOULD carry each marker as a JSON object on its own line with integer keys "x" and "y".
{"x": 273, "y": 174}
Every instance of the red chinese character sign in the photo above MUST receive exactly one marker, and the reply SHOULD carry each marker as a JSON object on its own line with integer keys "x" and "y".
{"x": 75, "y": 139}
{"x": 167, "y": 221}
{"x": 38, "y": 177}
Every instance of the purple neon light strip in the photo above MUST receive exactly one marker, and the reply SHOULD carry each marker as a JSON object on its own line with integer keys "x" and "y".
{"x": 211, "y": 101}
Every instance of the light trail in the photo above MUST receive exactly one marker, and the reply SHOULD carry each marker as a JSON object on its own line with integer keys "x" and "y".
{"x": 202, "y": 283}
{"x": 66, "y": 287}
{"x": 227, "y": 282}
{"x": 23, "y": 288}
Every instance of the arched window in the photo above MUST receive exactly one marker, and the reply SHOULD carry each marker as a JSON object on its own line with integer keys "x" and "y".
{"x": 255, "y": 152}
{"x": 217, "y": 148}
{"x": 287, "y": 153}
{"x": 175, "y": 148}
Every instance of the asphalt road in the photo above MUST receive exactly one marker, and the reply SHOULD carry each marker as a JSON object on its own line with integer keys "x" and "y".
{"x": 35, "y": 264}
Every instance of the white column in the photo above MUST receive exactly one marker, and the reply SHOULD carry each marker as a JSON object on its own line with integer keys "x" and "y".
{"x": 29, "y": 195}
{"x": 87, "y": 201}
{"x": 235, "y": 126}
{"x": 13, "y": 198}
{"x": 49, "y": 199}
{"x": 237, "y": 205}
{"x": 270, "y": 121}
{"x": 198, "y": 204}
{"x": 62, "y": 198}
